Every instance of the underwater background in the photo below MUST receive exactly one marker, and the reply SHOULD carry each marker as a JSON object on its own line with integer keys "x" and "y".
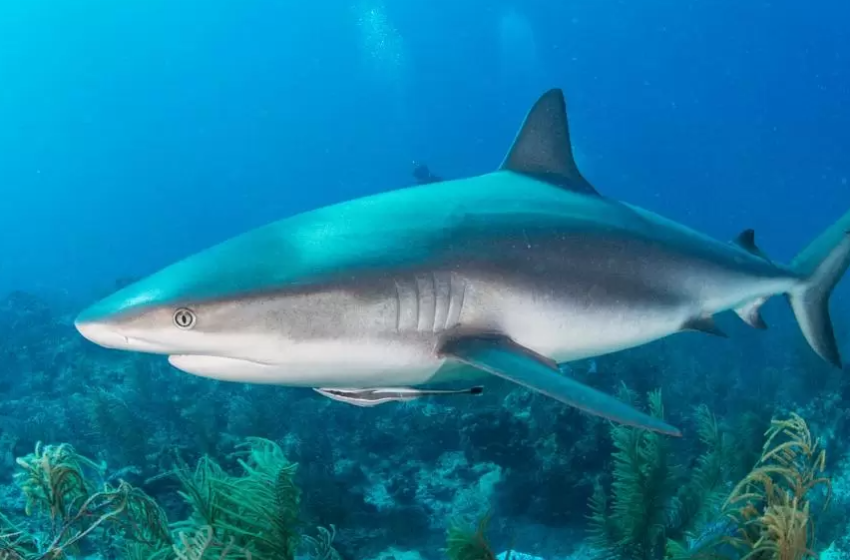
{"x": 135, "y": 133}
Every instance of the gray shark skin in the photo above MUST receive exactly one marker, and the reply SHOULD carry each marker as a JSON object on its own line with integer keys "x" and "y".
{"x": 503, "y": 274}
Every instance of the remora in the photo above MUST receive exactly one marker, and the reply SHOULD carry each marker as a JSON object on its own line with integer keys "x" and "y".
{"x": 503, "y": 274}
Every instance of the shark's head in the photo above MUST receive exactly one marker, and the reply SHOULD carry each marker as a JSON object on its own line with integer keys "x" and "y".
{"x": 208, "y": 314}
{"x": 209, "y": 304}
{"x": 160, "y": 314}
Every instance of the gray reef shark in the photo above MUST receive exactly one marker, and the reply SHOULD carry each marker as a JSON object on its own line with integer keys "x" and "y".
{"x": 504, "y": 274}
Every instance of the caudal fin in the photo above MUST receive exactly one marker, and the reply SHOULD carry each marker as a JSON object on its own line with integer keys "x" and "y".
{"x": 823, "y": 263}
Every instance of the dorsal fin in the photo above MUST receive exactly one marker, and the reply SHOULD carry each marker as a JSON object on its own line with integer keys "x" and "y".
{"x": 746, "y": 240}
{"x": 542, "y": 146}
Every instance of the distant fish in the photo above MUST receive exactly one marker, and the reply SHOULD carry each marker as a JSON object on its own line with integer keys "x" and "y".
{"x": 374, "y": 397}
{"x": 422, "y": 174}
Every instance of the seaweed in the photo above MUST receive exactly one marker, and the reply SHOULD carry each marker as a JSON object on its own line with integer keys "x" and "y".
{"x": 53, "y": 480}
{"x": 655, "y": 507}
{"x": 701, "y": 495}
{"x": 56, "y": 484}
{"x": 203, "y": 545}
{"x": 770, "y": 509}
{"x": 256, "y": 512}
{"x": 465, "y": 543}
{"x": 321, "y": 547}
{"x": 253, "y": 515}
{"x": 633, "y": 524}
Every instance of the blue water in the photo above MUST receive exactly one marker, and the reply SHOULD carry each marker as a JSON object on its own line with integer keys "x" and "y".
{"x": 135, "y": 133}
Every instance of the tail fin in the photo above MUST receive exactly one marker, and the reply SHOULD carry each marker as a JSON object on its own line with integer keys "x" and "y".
{"x": 822, "y": 263}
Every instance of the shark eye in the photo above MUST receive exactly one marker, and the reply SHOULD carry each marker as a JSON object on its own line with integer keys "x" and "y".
{"x": 184, "y": 318}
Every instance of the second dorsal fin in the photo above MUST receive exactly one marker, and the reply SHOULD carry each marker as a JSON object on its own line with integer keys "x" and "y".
{"x": 746, "y": 240}
{"x": 542, "y": 146}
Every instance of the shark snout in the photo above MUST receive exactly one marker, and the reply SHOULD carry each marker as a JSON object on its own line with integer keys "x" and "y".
{"x": 109, "y": 336}
{"x": 102, "y": 334}
{"x": 97, "y": 333}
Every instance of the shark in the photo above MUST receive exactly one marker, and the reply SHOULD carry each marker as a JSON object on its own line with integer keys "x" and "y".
{"x": 506, "y": 274}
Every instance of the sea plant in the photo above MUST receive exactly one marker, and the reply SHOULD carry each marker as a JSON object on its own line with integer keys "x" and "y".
{"x": 250, "y": 516}
{"x": 769, "y": 512}
{"x": 255, "y": 512}
{"x": 203, "y": 545}
{"x": 54, "y": 480}
{"x": 321, "y": 546}
{"x": 703, "y": 488}
{"x": 632, "y": 524}
{"x": 465, "y": 542}
{"x": 57, "y": 484}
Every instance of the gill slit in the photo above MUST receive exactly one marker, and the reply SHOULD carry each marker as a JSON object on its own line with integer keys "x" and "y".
{"x": 416, "y": 297}
{"x": 436, "y": 287}
{"x": 397, "y": 306}
{"x": 457, "y": 296}
{"x": 462, "y": 301}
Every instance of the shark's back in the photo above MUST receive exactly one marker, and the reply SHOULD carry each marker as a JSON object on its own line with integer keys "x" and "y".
{"x": 538, "y": 189}
{"x": 411, "y": 227}
{"x": 399, "y": 227}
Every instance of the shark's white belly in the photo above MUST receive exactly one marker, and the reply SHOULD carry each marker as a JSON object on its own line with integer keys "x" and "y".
{"x": 567, "y": 329}
{"x": 558, "y": 329}
{"x": 565, "y": 336}
{"x": 331, "y": 363}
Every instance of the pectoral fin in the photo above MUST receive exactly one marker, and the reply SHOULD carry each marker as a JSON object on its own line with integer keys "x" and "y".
{"x": 504, "y": 358}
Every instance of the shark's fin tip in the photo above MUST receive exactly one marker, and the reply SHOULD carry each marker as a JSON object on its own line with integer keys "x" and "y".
{"x": 746, "y": 240}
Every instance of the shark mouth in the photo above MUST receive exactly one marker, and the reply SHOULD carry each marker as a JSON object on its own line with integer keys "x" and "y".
{"x": 226, "y": 369}
{"x": 108, "y": 337}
